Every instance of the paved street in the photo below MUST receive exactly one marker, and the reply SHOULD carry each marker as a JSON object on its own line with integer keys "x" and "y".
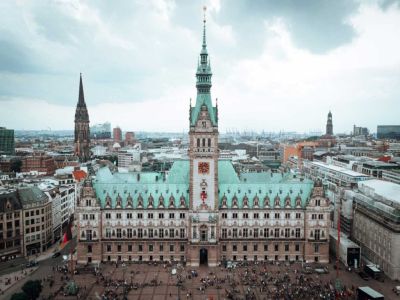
{"x": 143, "y": 281}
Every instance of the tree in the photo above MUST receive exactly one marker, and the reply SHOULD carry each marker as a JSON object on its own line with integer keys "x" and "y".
{"x": 19, "y": 296}
{"x": 16, "y": 165}
{"x": 32, "y": 288}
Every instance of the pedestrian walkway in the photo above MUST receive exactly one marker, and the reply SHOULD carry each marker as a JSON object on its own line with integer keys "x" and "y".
{"x": 8, "y": 280}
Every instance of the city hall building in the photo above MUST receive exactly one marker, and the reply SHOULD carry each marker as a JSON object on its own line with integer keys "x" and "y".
{"x": 202, "y": 211}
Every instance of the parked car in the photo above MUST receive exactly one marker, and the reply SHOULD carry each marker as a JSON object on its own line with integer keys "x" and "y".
{"x": 363, "y": 275}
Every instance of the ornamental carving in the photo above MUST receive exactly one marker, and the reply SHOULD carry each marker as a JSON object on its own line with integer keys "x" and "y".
{"x": 212, "y": 218}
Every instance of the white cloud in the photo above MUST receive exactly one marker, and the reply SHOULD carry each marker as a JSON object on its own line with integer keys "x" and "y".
{"x": 139, "y": 70}
{"x": 285, "y": 86}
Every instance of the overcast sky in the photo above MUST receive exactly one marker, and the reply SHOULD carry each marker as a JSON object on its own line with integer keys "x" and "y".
{"x": 277, "y": 65}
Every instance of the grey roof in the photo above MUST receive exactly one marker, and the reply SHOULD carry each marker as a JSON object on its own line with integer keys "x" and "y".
{"x": 9, "y": 197}
{"x": 29, "y": 195}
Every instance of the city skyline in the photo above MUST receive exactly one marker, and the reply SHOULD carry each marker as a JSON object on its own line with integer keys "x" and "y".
{"x": 290, "y": 62}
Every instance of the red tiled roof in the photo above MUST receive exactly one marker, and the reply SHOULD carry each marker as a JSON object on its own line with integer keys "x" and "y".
{"x": 79, "y": 175}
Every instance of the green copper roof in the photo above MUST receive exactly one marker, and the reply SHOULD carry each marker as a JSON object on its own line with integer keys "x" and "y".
{"x": 145, "y": 187}
{"x": 179, "y": 172}
{"x": 203, "y": 85}
{"x": 226, "y": 173}
{"x": 269, "y": 188}
{"x": 203, "y": 99}
{"x": 269, "y": 194}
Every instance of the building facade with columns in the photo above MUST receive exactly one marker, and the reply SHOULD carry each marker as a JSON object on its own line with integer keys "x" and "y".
{"x": 202, "y": 211}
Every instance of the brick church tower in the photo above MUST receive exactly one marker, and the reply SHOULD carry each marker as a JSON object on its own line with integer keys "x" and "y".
{"x": 329, "y": 124}
{"x": 82, "y": 131}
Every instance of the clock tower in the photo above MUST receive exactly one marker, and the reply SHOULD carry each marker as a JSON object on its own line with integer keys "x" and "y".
{"x": 203, "y": 139}
{"x": 203, "y": 157}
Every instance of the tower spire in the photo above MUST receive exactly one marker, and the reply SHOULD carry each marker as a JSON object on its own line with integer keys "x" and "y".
{"x": 81, "y": 99}
{"x": 203, "y": 82}
{"x": 204, "y": 47}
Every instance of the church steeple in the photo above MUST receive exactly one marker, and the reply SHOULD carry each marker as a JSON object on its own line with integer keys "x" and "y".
{"x": 81, "y": 113}
{"x": 82, "y": 130}
{"x": 329, "y": 124}
{"x": 81, "y": 99}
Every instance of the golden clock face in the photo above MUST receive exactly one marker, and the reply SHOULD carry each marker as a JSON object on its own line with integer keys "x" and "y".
{"x": 204, "y": 167}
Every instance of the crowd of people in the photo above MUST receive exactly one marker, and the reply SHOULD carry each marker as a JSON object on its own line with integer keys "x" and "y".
{"x": 243, "y": 281}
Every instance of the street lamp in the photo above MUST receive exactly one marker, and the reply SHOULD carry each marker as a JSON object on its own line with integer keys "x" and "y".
{"x": 123, "y": 279}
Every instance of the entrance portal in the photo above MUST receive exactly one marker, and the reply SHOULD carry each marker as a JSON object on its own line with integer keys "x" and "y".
{"x": 203, "y": 256}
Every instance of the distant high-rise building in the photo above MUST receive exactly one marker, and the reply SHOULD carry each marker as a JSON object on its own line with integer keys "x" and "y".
{"x": 101, "y": 131}
{"x": 329, "y": 125}
{"x": 117, "y": 134}
{"x": 82, "y": 131}
{"x": 7, "y": 144}
{"x": 388, "y": 132}
{"x": 129, "y": 138}
{"x": 360, "y": 130}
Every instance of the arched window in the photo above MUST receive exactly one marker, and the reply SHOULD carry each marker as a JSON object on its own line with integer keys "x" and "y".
{"x": 209, "y": 142}
{"x": 204, "y": 142}
{"x": 198, "y": 142}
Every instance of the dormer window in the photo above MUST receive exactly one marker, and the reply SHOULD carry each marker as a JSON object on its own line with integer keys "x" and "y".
{"x": 298, "y": 201}
{"x": 140, "y": 201}
{"x": 245, "y": 202}
{"x": 182, "y": 202}
{"x": 287, "y": 201}
{"x": 171, "y": 202}
{"x": 119, "y": 201}
{"x": 151, "y": 201}
{"x": 108, "y": 201}
{"x": 129, "y": 201}
{"x": 234, "y": 202}
{"x": 266, "y": 201}
{"x": 224, "y": 202}
{"x": 161, "y": 201}
{"x": 277, "y": 201}
{"x": 256, "y": 201}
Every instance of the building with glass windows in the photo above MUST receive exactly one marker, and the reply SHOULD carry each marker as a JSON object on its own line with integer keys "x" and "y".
{"x": 7, "y": 143}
